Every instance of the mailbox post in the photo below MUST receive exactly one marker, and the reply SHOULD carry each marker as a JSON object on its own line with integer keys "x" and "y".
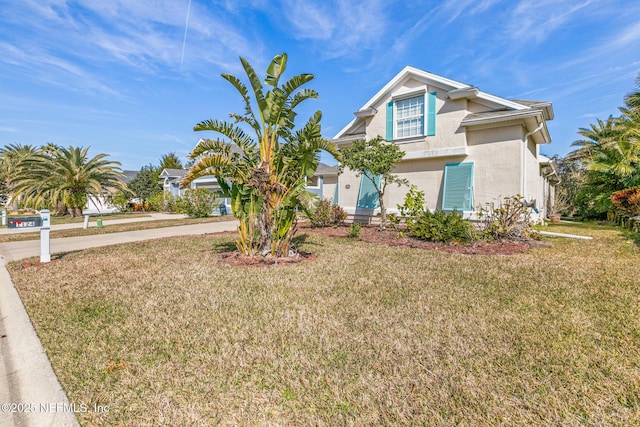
{"x": 45, "y": 240}
{"x": 4, "y": 217}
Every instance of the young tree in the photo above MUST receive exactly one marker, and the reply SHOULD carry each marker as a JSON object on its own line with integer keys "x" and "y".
{"x": 266, "y": 176}
{"x": 145, "y": 184}
{"x": 373, "y": 158}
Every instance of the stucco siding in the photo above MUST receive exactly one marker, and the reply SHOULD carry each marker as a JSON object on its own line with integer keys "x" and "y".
{"x": 496, "y": 154}
{"x": 329, "y": 187}
{"x": 503, "y": 164}
{"x": 449, "y": 114}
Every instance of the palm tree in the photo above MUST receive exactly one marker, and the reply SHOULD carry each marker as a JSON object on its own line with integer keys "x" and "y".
{"x": 596, "y": 136}
{"x": 68, "y": 176}
{"x": 11, "y": 158}
{"x": 632, "y": 100}
{"x": 265, "y": 177}
{"x": 610, "y": 158}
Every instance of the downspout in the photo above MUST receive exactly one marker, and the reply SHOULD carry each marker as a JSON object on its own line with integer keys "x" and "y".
{"x": 524, "y": 159}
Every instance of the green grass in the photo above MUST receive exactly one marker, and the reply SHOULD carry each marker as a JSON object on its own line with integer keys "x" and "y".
{"x": 163, "y": 334}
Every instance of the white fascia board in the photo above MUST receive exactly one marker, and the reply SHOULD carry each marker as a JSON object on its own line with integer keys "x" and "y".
{"x": 348, "y": 139}
{"x": 345, "y": 129}
{"x": 502, "y": 101}
{"x": 502, "y": 118}
{"x": 430, "y": 154}
{"x": 464, "y": 93}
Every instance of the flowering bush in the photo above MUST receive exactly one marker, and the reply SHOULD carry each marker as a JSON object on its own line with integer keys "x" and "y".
{"x": 627, "y": 200}
{"x": 197, "y": 203}
{"x": 325, "y": 214}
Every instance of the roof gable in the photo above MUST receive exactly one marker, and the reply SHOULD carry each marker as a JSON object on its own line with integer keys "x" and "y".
{"x": 173, "y": 173}
{"x": 457, "y": 90}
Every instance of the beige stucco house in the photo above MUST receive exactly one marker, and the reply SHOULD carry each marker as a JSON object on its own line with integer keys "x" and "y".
{"x": 464, "y": 147}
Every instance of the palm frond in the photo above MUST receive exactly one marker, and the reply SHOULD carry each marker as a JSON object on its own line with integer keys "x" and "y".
{"x": 230, "y": 130}
{"x": 255, "y": 85}
{"x": 275, "y": 69}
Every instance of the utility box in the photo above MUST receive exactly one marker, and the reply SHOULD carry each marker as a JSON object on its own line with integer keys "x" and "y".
{"x": 25, "y": 222}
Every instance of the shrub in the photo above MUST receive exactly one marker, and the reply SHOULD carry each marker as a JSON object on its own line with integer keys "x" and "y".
{"x": 393, "y": 221}
{"x": 163, "y": 202}
{"x": 627, "y": 200}
{"x": 414, "y": 205}
{"x": 326, "y": 214}
{"x": 511, "y": 220}
{"x": 121, "y": 202}
{"x": 141, "y": 207}
{"x": 441, "y": 226}
{"x": 197, "y": 202}
{"x": 354, "y": 230}
{"x": 338, "y": 215}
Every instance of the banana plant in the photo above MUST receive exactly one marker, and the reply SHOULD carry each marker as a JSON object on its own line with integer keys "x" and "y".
{"x": 264, "y": 176}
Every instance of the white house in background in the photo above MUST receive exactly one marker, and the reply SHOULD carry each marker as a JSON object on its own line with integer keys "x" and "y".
{"x": 170, "y": 180}
{"x": 464, "y": 147}
{"x": 100, "y": 204}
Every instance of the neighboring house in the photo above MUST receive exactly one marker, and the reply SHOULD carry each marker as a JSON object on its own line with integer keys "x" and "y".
{"x": 171, "y": 178}
{"x": 324, "y": 182}
{"x": 464, "y": 147}
{"x": 101, "y": 204}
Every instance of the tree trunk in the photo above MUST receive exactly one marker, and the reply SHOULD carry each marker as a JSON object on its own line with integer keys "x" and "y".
{"x": 383, "y": 211}
{"x": 61, "y": 209}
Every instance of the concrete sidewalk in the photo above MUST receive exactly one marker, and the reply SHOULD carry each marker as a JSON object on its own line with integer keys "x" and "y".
{"x": 93, "y": 222}
{"x": 30, "y": 394}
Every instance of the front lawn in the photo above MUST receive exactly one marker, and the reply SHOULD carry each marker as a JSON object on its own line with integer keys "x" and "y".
{"x": 162, "y": 334}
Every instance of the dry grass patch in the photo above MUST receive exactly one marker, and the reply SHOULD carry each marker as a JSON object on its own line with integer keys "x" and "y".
{"x": 164, "y": 334}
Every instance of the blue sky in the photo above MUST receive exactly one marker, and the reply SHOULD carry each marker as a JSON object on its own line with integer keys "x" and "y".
{"x": 131, "y": 78}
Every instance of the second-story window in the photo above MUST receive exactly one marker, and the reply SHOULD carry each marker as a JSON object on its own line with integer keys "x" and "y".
{"x": 409, "y": 116}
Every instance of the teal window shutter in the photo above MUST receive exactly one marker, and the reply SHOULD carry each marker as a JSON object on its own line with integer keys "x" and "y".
{"x": 431, "y": 114}
{"x": 368, "y": 195}
{"x": 336, "y": 194}
{"x": 458, "y": 187}
{"x": 390, "y": 121}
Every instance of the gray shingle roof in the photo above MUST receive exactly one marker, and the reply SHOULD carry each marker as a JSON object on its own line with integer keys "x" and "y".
{"x": 324, "y": 169}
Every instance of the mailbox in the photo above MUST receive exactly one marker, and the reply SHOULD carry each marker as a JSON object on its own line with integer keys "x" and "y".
{"x": 25, "y": 222}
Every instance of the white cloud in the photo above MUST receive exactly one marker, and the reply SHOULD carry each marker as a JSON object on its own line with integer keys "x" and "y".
{"x": 538, "y": 20}
{"x": 72, "y": 42}
{"x": 343, "y": 28}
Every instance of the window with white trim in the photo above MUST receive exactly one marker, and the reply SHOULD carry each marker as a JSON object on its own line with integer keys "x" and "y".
{"x": 409, "y": 117}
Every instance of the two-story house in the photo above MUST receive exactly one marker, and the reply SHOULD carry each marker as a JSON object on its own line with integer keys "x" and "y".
{"x": 464, "y": 147}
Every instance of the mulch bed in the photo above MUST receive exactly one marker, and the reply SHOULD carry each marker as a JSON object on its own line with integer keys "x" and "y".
{"x": 371, "y": 234}
{"x": 237, "y": 259}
